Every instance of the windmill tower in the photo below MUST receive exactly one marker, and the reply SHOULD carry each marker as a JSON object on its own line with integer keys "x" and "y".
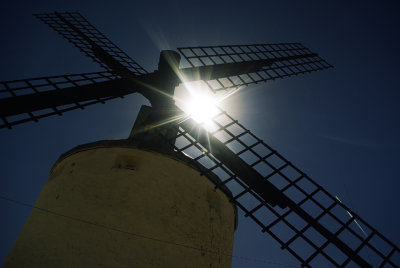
{"x": 175, "y": 181}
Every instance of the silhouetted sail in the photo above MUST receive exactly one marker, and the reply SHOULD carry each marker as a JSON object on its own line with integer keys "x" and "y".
{"x": 35, "y": 98}
{"x": 313, "y": 225}
{"x": 285, "y": 59}
{"x": 82, "y": 34}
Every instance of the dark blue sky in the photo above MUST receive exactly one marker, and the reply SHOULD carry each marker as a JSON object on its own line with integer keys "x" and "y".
{"x": 340, "y": 126}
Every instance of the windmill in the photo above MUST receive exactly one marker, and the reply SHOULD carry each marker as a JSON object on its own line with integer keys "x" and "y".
{"x": 313, "y": 219}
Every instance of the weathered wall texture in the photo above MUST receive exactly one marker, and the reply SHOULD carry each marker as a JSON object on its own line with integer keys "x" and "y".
{"x": 164, "y": 214}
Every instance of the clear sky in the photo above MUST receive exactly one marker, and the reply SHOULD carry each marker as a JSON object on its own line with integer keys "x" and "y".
{"x": 340, "y": 126}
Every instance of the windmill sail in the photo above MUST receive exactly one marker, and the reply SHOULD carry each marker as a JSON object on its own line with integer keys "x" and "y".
{"x": 286, "y": 59}
{"x": 35, "y": 98}
{"x": 297, "y": 212}
{"x": 83, "y": 35}
{"x": 16, "y": 107}
{"x": 313, "y": 225}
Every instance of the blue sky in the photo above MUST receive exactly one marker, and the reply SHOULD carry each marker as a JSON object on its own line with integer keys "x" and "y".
{"x": 340, "y": 126}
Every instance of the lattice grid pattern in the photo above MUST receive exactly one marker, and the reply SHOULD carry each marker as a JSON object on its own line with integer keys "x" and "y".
{"x": 82, "y": 36}
{"x": 287, "y": 59}
{"x": 290, "y": 230}
{"x": 14, "y": 88}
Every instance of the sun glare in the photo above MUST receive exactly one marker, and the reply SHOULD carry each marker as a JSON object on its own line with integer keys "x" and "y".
{"x": 198, "y": 102}
{"x": 201, "y": 107}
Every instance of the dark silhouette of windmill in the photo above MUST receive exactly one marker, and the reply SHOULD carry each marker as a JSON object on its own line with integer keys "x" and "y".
{"x": 313, "y": 225}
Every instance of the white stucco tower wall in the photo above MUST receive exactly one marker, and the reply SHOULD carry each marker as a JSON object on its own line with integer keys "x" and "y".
{"x": 119, "y": 206}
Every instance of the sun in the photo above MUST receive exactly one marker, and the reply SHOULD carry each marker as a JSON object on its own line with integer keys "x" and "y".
{"x": 198, "y": 102}
{"x": 201, "y": 107}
